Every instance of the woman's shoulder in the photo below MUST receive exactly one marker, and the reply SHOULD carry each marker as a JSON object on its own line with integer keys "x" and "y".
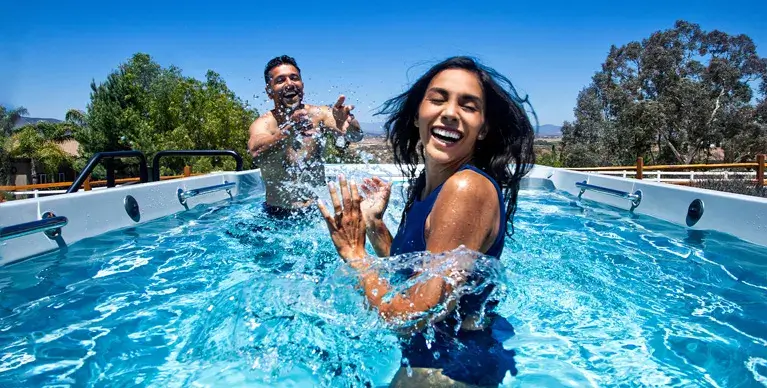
{"x": 465, "y": 213}
{"x": 470, "y": 182}
{"x": 467, "y": 188}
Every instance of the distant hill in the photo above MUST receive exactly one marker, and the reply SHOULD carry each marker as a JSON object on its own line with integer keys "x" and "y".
{"x": 549, "y": 130}
{"x": 22, "y": 121}
{"x": 375, "y": 129}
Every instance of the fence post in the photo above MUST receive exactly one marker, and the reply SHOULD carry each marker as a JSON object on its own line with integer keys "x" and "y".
{"x": 760, "y": 171}
{"x": 87, "y": 183}
{"x": 640, "y": 167}
{"x": 187, "y": 171}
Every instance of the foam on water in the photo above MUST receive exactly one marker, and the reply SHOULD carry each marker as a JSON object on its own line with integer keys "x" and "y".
{"x": 223, "y": 295}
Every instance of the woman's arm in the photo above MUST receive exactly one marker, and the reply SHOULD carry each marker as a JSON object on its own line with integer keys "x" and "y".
{"x": 461, "y": 216}
{"x": 380, "y": 237}
{"x": 373, "y": 207}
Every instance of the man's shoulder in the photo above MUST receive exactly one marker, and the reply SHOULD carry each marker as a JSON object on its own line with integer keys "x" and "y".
{"x": 267, "y": 116}
{"x": 266, "y": 120}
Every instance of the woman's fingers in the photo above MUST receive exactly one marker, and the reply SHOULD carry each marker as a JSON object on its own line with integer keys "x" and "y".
{"x": 346, "y": 197}
{"x": 355, "y": 203}
{"x": 367, "y": 190}
{"x": 334, "y": 198}
{"x": 325, "y": 214}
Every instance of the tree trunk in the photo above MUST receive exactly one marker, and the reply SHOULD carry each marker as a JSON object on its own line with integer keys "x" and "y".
{"x": 679, "y": 157}
{"x": 33, "y": 171}
{"x": 5, "y": 169}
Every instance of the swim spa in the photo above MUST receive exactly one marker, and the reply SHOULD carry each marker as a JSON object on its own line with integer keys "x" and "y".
{"x": 626, "y": 283}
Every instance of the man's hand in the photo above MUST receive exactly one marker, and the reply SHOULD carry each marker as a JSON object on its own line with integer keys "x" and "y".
{"x": 342, "y": 115}
{"x": 302, "y": 123}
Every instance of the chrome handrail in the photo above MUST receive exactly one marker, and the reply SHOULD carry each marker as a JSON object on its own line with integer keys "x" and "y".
{"x": 50, "y": 224}
{"x": 183, "y": 195}
{"x": 635, "y": 198}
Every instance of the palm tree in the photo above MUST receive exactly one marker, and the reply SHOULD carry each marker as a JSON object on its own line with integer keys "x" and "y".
{"x": 76, "y": 117}
{"x": 43, "y": 153}
{"x": 8, "y": 119}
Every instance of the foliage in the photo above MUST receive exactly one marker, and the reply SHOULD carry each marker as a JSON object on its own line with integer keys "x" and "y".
{"x": 146, "y": 107}
{"x": 669, "y": 98}
{"x": 8, "y": 118}
{"x": 334, "y": 154}
{"x": 37, "y": 145}
{"x": 549, "y": 158}
{"x": 737, "y": 185}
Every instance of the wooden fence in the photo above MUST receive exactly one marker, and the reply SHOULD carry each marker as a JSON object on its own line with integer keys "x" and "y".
{"x": 640, "y": 171}
{"x": 88, "y": 184}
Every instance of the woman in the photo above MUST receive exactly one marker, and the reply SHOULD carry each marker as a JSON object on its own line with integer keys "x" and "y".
{"x": 475, "y": 142}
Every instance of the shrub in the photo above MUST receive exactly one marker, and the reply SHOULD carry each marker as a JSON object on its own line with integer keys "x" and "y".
{"x": 737, "y": 185}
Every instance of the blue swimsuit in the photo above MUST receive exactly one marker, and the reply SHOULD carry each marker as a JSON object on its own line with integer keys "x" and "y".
{"x": 472, "y": 357}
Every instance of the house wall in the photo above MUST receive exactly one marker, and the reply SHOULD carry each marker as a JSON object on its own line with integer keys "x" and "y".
{"x": 23, "y": 172}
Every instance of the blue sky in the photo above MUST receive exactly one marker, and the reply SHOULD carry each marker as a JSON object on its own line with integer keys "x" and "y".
{"x": 52, "y": 50}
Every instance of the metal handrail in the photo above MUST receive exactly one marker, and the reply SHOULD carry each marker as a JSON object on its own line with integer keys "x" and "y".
{"x": 183, "y": 195}
{"x": 95, "y": 159}
{"x": 50, "y": 224}
{"x": 635, "y": 198}
{"x": 162, "y": 154}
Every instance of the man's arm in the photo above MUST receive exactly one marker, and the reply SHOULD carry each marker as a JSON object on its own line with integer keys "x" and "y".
{"x": 263, "y": 137}
{"x": 353, "y": 131}
{"x": 348, "y": 126}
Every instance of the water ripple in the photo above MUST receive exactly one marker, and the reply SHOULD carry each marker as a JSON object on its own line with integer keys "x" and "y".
{"x": 223, "y": 295}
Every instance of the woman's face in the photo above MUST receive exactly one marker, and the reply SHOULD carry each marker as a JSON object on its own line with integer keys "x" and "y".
{"x": 451, "y": 117}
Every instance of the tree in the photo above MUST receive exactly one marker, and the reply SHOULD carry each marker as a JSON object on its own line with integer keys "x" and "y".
{"x": 670, "y": 97}
{"x": 8, "y": 120}
{"x": 30, "y": 142}
{"x": 75, "y": 117}
{"x": 146, "y": 107}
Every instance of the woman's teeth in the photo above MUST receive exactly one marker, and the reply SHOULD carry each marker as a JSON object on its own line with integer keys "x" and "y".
{"x": 445, "y": 135}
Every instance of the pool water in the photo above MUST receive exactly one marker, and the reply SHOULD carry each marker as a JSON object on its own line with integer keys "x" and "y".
{"x": 223, "y": 295}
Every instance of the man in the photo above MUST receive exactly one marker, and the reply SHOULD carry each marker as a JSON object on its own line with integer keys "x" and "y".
{"x": 287, "y": 141}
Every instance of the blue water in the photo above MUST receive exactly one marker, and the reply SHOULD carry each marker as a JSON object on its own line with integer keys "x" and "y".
{"x": 223, "y": 296}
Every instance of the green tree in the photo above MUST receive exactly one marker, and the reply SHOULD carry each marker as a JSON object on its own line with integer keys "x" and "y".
{"x": 146, "y": 107}
{"x": 75, "y": 117}
{"x": 8, "y": 120}
{"x": 43, "y": 152}
{"x": 669, "y": 97}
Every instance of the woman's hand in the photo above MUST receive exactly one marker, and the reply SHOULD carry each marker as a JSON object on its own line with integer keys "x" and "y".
{"x": 376, "y": 200}
{"x": 346, "y": 225}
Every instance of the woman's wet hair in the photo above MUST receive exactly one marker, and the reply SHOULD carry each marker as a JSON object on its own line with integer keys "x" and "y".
{"x": 506, "y": 152}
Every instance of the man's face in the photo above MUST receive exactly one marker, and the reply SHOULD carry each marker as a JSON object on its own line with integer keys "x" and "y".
{"x": 285, "y": 86}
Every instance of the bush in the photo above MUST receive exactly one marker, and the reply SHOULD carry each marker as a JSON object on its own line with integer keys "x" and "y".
{"x": 737, "y": 185}
{"x": 548, "y": 159}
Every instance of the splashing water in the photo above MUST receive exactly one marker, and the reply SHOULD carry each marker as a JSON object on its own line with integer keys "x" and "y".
{"x": 468, "y": 272}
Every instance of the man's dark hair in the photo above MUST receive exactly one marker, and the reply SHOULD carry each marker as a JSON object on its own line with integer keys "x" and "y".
{"x": 278, "y": 61}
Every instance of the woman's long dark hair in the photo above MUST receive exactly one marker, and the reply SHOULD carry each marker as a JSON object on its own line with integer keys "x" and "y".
{"x": 506, "y": 152}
